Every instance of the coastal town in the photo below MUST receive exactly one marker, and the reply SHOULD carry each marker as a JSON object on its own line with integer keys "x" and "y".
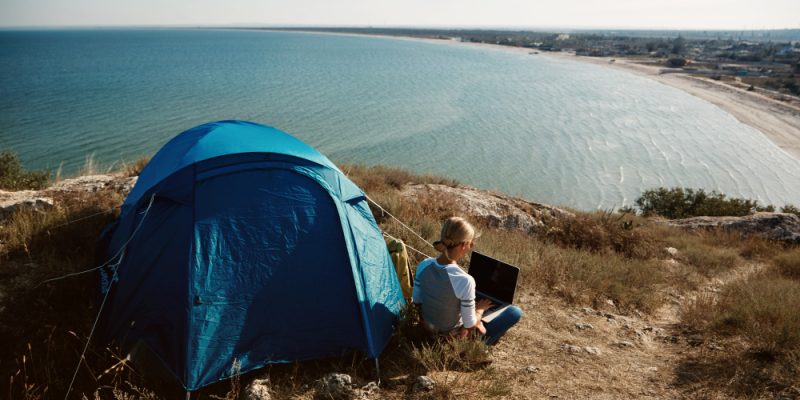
{"x": 766, "y": 60}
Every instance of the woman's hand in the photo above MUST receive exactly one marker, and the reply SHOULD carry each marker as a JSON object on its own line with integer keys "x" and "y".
{"x": 464, "y": 332}
{"x": 483, "y": 304}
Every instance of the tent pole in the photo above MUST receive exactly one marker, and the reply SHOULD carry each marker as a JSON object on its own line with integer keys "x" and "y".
{"x": 378, "y": 370}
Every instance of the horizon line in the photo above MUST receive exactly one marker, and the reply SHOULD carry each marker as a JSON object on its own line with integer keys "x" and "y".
{"x": 431, "y": 27}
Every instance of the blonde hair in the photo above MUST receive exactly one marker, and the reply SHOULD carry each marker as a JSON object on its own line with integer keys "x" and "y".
{"x": 455, "y": 230}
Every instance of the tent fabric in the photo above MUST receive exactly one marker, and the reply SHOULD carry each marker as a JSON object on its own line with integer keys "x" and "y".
{"x": 256, "y": 250}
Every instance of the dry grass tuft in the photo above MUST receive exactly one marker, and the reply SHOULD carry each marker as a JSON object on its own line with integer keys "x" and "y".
{"x": 135, "y": 168}
{"x": 787, "y": 265}
{"x": 705, "y": 251}
{"x": 764, "y": 310}
{"x": 604, "y": 232}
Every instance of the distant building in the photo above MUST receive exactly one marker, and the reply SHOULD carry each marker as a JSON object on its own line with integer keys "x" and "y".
{"x": 562, "y": 36}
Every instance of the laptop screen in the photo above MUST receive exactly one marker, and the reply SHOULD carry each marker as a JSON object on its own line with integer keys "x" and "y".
{"x": 493, "y": 277}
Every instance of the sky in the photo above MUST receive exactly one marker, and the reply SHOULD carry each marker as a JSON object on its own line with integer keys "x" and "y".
{"x": 614, "y": 14}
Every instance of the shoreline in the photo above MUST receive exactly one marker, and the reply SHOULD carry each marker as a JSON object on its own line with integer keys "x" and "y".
{"x": 779, "y": 122}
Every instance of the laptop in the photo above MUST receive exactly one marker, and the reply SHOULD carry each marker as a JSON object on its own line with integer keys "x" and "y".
{"x": 494, "y": 280}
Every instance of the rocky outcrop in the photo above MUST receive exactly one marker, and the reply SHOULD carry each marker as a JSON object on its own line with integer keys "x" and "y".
{"x": 41, "y": 200}
{"x": 94, "y": 183}
{"x": 496, "y": 210}
{"x": 773, "y": 226}
{"x": 10, "y": 202}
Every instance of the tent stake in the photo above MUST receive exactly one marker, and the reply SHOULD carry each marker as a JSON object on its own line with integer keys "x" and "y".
{"x": 378, "y": 370}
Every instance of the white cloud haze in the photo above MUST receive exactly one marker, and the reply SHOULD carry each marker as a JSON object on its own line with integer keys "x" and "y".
{"x": 647, "y": 14}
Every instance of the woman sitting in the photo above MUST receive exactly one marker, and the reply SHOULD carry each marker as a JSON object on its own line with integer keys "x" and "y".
{"x": 446, "y": 293}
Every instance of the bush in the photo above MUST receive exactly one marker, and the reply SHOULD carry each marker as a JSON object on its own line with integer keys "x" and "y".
{"x": 678, "y": 203}
{"x": 13, "y": 177}
{"x": 790, "y": 209}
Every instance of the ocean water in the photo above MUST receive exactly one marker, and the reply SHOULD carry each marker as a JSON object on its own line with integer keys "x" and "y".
{"x": 551, "y": 130}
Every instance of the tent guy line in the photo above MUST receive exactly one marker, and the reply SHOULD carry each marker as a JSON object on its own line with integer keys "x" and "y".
{"x": 105, "y": 297}
{"x": 398, "y": 221}
{"x": 71, "y": 274}
{"x": 86, "y": 217}
{"x": 407, "y": 245}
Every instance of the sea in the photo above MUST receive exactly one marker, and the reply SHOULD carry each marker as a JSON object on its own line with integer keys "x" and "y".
{"x": 551, "y": 130}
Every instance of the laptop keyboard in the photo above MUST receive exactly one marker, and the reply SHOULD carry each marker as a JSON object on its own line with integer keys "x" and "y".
{"x": 491, "y": 309}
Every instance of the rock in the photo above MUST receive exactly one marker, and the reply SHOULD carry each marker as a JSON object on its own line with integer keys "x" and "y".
{"x": 423, "y": 383}
{"x": 94, "y": 183}
{"x": 671, "y": 251}
{"x": 671, "y": 263}
{"x": 257, "y": 390}
{"x": 370, "y": 388}
{"x": 43, "y": 199}
{"x": 10, "y": 202}
{"x": 624, "y": 344}
{"x": 584, "y": 325}
{"x": 571, "y": 348}
{"x": 496, "y": 210}
{"x": 773, "y": 226}
{"x": 88, "y": 183}
{"x": 336, "y": 386}
{"x": 532, "y": 369}
{"x": 592, "y": 350}
{"x": 671, "y": 339}
{"x": 587, "y": 310}
{"x": 610, "y": 303}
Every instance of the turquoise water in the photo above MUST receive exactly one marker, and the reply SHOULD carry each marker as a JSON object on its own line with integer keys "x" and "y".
{"x": 554, "y": 131}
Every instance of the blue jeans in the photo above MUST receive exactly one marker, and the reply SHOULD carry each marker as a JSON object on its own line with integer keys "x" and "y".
{"x": 501, "y": 324}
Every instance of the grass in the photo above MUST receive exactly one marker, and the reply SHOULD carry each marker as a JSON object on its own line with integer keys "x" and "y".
{"x": 757, "y": 320}
{"x": 584, "y": 261}
{"x": 787, "y": 265}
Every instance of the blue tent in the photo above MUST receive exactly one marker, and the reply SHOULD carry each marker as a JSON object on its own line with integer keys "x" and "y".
{"x": 240, "y": 242}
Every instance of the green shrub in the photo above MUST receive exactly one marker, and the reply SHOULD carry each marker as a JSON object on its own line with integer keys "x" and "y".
{"x": 790, "y": 209}
{"x": 14, "y": 177}
{"x": 678, "y": 202}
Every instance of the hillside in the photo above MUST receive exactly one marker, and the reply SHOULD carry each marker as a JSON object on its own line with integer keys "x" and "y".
{"x": 617, "y": 306}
